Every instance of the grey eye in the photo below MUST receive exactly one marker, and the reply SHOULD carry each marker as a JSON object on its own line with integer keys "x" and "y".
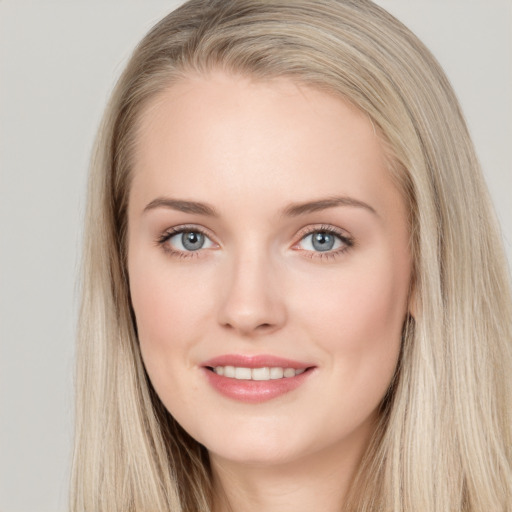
{"x": 188, "y": 241}
{"x": 321, "y": 241}
{"x": 192, "y": 241}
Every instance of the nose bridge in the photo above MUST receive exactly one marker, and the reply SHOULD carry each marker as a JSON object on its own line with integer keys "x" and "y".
{"x": 252, "y": 300}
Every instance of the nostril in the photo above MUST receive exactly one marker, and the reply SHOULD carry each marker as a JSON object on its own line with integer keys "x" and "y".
{"x": 265, "y": 327}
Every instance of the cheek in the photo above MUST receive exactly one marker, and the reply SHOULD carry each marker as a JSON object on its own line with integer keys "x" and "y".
{"x": 357, "y": 304}
{"x": 359, "y": 320}
{"x": 166, "y": 304}
{"x": 165, "y": 297}
{"x": 162, "y": 304}
{"x": 154, "y": 306}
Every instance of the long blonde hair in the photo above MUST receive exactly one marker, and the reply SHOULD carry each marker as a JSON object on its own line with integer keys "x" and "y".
{"x": 445, "y": 438}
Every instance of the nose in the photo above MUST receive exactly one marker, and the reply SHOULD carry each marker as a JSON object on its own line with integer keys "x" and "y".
{"x": 253, "y": 301}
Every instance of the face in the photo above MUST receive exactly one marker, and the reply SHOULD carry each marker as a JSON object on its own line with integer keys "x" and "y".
{"x": 269, "y": 266}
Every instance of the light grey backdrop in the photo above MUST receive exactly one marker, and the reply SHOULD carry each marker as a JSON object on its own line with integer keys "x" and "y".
{"x": 58, "y": 62}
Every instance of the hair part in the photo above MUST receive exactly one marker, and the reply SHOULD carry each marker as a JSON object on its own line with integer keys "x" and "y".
{"x": 444, "y": 440}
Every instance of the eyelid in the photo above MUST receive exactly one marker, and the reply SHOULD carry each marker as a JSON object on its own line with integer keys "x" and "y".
{"x": 167, "y": 234}
{"x": 181, "y": 228}
{"x": 315, "y": 228}
{"x": 344, "y": 236}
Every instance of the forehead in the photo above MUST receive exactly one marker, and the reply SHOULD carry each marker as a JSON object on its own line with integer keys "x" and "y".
{"x": 223, "y": 137}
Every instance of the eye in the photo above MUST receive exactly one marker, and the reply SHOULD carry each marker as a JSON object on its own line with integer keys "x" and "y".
{"x": 324, "y": 241}
{"x": 186, "y": 240}
{"x": 320, "y": 241}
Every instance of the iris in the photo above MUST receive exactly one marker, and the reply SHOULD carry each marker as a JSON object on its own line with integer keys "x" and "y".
{"x": 192, "y": 240}
{"x": 323, "y": 241}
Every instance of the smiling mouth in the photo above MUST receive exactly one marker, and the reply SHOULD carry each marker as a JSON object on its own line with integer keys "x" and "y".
{"x": 259, "y": 374}
{"x": 257, "y": 378}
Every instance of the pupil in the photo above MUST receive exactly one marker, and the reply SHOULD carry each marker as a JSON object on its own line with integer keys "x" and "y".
{"x": 323, "y": 241}
{"x": 192, "y": 241}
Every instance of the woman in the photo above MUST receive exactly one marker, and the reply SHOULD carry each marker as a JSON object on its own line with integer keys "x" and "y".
{"x": 295, "y": 294}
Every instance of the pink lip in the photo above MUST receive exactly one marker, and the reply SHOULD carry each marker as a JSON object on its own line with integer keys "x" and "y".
{"x": 254, "y": 391}
{"x": 256, "y": 361}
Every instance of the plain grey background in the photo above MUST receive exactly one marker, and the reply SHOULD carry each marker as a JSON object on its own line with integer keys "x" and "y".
{"x": 58, "y": 62}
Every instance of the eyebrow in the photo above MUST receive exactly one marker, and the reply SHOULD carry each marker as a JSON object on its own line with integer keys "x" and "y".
{"x": 182, "y": 206}
{"x": 297, "y": 209}
{"x": 292, "y": 210}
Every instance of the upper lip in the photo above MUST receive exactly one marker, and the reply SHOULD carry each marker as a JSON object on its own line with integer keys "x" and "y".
{"x": 255, "y": 361}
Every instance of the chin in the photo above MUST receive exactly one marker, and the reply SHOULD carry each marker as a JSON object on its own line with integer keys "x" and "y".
{"x": 262, "y": 454}
{"x": 248, "y": 441}
{"x": 259, "y": 446}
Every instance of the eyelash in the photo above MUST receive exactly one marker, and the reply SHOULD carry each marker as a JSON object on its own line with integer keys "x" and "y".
{"x": 348, "y": 242}
{"x": 168, "y": 234}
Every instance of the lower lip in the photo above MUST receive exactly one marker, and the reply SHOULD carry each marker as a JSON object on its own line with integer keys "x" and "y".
{"x": 255, "y": 391}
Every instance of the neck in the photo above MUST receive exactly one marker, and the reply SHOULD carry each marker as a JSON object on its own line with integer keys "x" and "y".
{"x": 318, "y": 481}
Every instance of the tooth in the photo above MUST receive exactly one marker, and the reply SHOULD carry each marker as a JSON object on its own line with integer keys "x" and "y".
{"x": 243, "y": 373}
{"x": 260, "y": 373}
{"x": 229, "y": 371}
{"x": 276, "y": 373}
{"x": 264, "y": 373}
{"x": 289, "y": 372}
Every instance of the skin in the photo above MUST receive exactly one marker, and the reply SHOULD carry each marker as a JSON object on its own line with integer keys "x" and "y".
{"x": 258, "y": 286}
